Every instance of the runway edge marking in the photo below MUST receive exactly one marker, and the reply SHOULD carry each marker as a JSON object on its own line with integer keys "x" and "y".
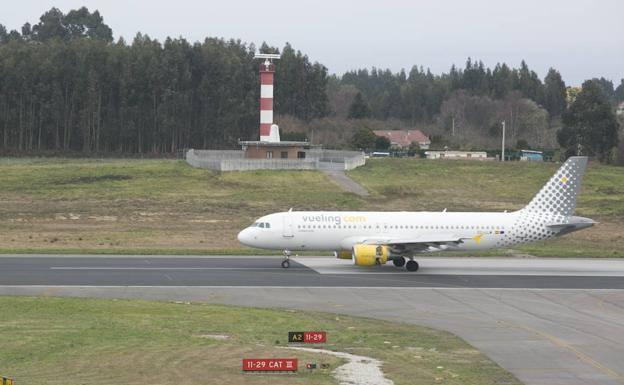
{"x": 301, "y": 287}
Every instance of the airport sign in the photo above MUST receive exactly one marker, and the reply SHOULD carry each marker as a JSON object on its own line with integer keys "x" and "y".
{"x": 307, "y": 337}
{"x": 270, "y": 365}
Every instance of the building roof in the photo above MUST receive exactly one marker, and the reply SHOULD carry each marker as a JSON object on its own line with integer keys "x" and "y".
{"x": 452, "y": 152}
{"x": 403, "y": 138}
{"x": 284, "y": 143}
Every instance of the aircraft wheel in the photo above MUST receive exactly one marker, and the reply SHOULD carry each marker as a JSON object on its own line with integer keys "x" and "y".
{"x": 398, "y": 261}
{"x": 411, "y": 266}
{"x": 286, "y": 264}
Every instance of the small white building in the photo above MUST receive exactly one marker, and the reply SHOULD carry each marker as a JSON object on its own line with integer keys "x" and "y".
{"x": 466, "y": 155}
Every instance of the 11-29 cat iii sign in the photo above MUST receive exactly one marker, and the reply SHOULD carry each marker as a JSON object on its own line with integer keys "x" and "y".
{"x": 270, "y": 364}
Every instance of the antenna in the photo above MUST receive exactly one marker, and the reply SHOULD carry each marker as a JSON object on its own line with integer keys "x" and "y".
{"x": 268, "y": 58}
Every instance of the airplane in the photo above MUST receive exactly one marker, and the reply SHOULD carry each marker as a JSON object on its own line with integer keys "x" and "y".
{"x": 374, "y": 238}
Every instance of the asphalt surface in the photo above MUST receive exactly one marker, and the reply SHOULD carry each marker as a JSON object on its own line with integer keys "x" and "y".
{"x": 549, "y": 322}
{"x": 308, "y": 272}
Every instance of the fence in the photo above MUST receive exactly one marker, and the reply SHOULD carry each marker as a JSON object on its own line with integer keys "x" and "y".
{"x": 234, "y": 160}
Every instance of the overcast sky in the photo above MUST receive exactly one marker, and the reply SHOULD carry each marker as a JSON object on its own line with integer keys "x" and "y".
{"x": 580, "y": 38}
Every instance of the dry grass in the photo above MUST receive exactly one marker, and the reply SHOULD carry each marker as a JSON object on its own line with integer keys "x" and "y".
{"x": 164, "y": 206}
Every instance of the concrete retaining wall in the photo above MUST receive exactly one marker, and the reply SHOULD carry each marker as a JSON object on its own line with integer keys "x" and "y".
{"x": 234, "y": 160}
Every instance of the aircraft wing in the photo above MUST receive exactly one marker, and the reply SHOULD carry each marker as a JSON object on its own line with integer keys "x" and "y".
{"x": 433, "y": 242}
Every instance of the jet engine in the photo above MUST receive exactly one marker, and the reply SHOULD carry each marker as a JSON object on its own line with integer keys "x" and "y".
{"x": 342, "y": 254}
{"x": 370, "y": 255}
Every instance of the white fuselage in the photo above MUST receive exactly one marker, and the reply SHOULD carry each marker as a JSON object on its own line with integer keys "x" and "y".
{"x": 548, "y": 214}
{"x": 340, "y": 230}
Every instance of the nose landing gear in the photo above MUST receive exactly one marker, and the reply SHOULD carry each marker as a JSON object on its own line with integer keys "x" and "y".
{"x": 286, "y": 261}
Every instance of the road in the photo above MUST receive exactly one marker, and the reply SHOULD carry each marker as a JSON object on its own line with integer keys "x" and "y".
{"x": 553, "y": 321}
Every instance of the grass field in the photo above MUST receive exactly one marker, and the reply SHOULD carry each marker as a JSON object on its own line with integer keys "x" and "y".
{"x": 86, "y": 341}
{"x": 165, "y": 206}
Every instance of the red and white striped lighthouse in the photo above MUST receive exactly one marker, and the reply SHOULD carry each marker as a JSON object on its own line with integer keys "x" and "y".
{"x": 269, "y": 132}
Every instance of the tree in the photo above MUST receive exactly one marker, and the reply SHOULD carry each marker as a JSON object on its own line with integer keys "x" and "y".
{"x": 3, "y": 34}
{"x": 382, "y": 143}
{"x": 606, "y": 87}
{"x": 76, "y": 24}
{"x": 50, "y": 26}
{"x": 554, "y": 93}
{"x": 359, "y": 109}
{"x": 619, "y": 92}
{"x": 590, "y": 124}
{"x": 529, "y": 84}
{"x": 363, "y": 139}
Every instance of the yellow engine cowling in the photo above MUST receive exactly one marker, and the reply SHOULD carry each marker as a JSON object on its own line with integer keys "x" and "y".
{"x": 342, "y": 254}
{"x": 369, "y": 255}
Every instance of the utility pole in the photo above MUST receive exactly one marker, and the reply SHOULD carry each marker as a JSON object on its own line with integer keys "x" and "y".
{"x": 453, "y": 132}
{"x": 503, "y": 152}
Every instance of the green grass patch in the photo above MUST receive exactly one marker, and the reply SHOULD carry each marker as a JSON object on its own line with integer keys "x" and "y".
{"x": 88, "y": 341}
{"x": 166, "y": 206}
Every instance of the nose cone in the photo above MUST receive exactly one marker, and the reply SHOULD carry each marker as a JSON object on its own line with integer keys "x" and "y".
{"x": 245, "y": 237}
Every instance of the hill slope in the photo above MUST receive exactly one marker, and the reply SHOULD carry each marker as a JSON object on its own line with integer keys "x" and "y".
{"x": 164, "y": 206}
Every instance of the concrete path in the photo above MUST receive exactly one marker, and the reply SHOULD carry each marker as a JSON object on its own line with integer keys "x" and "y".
{"x": 348, "y": 184}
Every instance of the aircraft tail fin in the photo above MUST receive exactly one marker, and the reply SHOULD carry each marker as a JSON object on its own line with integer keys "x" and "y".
{"x": 558, "y": 196}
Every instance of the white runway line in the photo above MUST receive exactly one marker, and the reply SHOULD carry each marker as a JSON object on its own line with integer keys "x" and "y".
{"x": 477, "y": 266}
{"x": 4, "y": 289}
{"x": 166, "y": 268}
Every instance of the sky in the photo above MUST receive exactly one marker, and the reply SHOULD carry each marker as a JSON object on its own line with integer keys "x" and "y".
{"x": 580, "y": 38}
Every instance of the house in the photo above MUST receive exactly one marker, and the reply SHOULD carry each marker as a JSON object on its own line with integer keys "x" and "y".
{"x": 403, "y": 138}
{"x": 466, "y": 155}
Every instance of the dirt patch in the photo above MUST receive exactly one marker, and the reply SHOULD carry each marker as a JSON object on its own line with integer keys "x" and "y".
{"x": 218, "y": 337}
{"x": 359, "y": 370}
{"x": 95, "y": 179}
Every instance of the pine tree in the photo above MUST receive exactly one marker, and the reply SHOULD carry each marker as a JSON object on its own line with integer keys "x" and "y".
{"x": 359, "y": 108}
{"x": 554, "y": 93}
{"x": 619, "y": 92}
{"x": 589, "y": 124}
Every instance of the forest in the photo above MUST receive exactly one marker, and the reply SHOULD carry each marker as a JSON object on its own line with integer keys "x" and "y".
{"x": 66, "y": 86}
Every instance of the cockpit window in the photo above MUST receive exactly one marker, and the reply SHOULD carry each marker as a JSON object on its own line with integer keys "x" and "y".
{"x": 262, "y": 225}
{"x": 267, "y": 225}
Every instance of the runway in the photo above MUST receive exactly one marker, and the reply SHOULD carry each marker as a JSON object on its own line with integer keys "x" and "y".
{"x": 547, "y": 321}
{"x": 309, "y": 272}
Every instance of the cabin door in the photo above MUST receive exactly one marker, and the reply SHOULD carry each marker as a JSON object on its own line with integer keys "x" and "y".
{"x": 287, "y": 228}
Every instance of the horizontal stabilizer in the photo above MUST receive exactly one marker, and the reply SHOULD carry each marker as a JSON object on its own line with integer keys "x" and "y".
{"x": 574, "y": 224}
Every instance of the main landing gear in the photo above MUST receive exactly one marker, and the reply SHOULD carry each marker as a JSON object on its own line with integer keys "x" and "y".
{"x": 286, "y": 261}
{"x": 411, "y": 265}
{"x": 398, "y": 261}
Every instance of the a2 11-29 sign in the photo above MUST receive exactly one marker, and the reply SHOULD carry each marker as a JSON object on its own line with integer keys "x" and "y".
{"x": 307, "y": 337}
